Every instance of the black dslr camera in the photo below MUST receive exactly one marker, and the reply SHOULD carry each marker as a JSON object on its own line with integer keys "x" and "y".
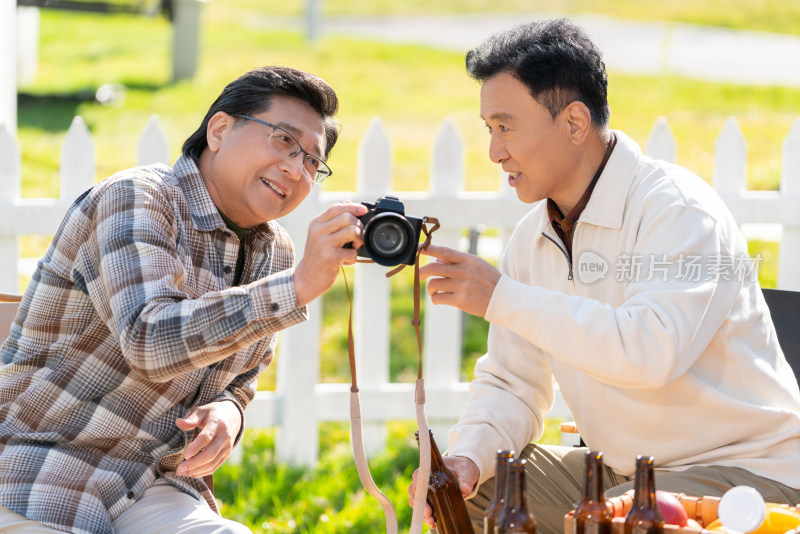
{"x": 390, "y": 236}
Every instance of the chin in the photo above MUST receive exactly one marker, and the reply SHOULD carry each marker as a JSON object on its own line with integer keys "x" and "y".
{"x": 528, "y": 198}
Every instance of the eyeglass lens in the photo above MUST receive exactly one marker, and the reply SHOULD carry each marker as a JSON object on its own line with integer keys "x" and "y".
{"x": 288, "y": 147}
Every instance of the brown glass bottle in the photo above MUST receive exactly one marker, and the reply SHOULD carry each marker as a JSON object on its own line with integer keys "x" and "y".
{"x": 644, "y": 516}
{"x": 496, "y": 506}
{"x": 591, "y": 515}
{"x": 444, "y": 497}
{"x": 516, "y": 517}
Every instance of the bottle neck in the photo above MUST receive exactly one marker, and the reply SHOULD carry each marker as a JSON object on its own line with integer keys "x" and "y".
{"x": 516, "y": 495}
{"x": 501, "y": 474}
{"x": 593, "y": 482}
{"x": 645, "y": 484}
{"x": 437, "y": 463}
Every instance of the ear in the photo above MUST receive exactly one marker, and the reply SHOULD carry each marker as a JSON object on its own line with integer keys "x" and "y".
{"x": 218, "y": 126}
{"x": 579, "y": 121}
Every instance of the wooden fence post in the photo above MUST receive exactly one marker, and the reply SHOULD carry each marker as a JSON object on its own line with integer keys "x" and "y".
{"x": 9, "y": 195}
{"x": 77, "y": 161}
{"x": 297, "y": 440}
{"x": 8, "y": 66}
{"x": 153, "y": 146}
{"x": 313, "y": 20}
{"x": 185, "y": 38}
{"x": 443, "y": 331}
{"x": 661, "y": 143}
{"x": 789, "y": 251}
{"x": 730, "y": 161}
{"x": 372, "y": 290}
{"x": 27, "y": 44}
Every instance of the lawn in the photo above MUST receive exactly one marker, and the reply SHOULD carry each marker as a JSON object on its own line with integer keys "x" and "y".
{"x": 412, "y": 88}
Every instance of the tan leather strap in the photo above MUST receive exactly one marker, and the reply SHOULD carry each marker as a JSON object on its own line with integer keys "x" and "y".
{"x": 419, "y": 399}
{"x": 415, "y": 321}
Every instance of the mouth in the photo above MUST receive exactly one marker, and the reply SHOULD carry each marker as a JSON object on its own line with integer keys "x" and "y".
{"x": 278, "y": 191}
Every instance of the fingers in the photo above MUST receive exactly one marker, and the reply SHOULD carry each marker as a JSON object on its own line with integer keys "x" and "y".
{"x": 340, "y": 208}
{"x": 206, "y": 462}
{"x": 412, "y": 492}
{"x": 324, "y": 251}
{"x": 202, "y": 440}
{"x": 339, "y": 229}
{"x": 187, "y": 423}
{"x": 448, "y": 262}
{"x": 465, "y": 487}
{"x": 459, "y": 279}
{"x": 440, "y": 271}
{"x": 466, "y": 472}
{"x": 206, "y": 452}
{"x": 445, "y": 254}
{"x": 213, "y": 444}
{"x": 444, "y": 280}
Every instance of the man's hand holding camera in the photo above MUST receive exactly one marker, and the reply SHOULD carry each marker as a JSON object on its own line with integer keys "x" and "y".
{"x": 324, "y": 253}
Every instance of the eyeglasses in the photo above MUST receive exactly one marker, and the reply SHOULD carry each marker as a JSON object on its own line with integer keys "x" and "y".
{"x": 287, "y": 146}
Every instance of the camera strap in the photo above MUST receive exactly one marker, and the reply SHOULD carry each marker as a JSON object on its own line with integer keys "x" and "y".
{"x": 419, "y": 400}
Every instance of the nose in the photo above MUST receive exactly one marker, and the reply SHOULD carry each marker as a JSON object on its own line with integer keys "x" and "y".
{"x": 497, "y": 150}
{"x": 293, "y": 167}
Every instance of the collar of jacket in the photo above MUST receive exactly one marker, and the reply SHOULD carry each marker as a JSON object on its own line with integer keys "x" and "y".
{"x": 607, "y": 204}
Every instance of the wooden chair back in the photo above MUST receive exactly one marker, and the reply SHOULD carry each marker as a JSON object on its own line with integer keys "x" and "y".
{"x": 784, "y": 307}
{"x": 8, "y": 310}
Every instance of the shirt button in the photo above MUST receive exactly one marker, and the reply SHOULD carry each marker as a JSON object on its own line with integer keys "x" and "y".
{"x": 130, "y": 495}
{"x": 275, "y": 306}
{"x": 227, "y": 269}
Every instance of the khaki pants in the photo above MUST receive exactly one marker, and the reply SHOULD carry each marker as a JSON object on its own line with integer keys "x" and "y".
{"x": 163, "y": 509}
{"x": 554, "y": 478}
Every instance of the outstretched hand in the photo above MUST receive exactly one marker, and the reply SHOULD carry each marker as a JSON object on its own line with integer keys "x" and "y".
{"x": 459, "y": 279}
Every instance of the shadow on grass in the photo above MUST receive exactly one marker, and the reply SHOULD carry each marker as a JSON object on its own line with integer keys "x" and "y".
{"x": 53, "y": 112}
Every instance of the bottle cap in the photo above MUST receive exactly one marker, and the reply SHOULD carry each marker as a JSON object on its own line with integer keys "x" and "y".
{"x": 741, "y": 509}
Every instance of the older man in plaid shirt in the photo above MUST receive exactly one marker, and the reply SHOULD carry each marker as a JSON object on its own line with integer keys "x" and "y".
{"x": 139, "y": 342}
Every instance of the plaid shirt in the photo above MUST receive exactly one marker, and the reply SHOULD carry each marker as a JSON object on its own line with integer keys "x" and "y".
{"x": 129, "y": 322}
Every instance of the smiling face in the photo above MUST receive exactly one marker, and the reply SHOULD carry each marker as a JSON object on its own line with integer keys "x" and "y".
{"x": 248, "y": 181}
{"x": 533, "y": 148}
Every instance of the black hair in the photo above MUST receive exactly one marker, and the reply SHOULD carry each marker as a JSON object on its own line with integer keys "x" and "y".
{"x": 252, "y": 92}
{"x": 555, "y": 59}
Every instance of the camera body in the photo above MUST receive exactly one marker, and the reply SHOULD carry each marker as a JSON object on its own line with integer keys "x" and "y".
{"x": 390, "y": 236}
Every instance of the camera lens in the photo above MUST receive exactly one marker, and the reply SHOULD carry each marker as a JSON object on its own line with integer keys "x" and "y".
{"x": 387, "y": 238}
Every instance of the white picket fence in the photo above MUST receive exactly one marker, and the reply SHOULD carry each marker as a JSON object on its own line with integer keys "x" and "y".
{"x": 300, "y": 402}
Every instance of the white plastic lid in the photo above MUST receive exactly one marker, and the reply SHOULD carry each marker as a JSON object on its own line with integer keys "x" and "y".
{"x": 741, "y": 509}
